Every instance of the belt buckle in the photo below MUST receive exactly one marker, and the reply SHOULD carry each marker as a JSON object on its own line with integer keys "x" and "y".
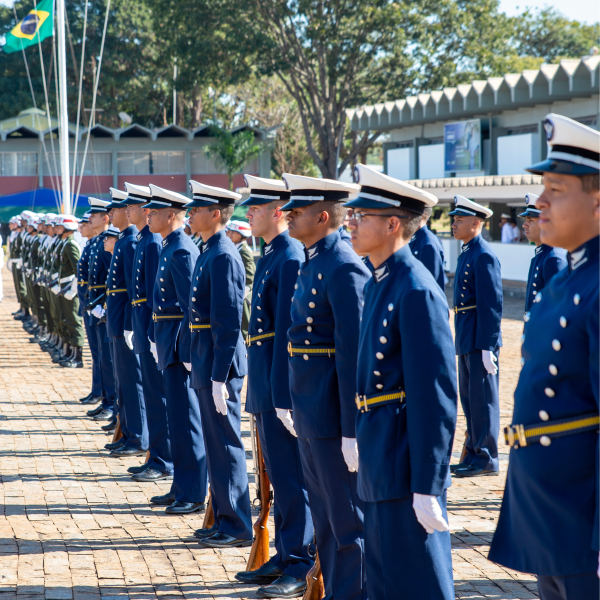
{"x": 509, "y": 435}
{"x": 361, "y": 403}
{"x": 289, "y": 349}
{"x": 455, "y": 310}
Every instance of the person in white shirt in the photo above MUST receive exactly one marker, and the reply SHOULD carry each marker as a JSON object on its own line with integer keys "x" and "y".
{"x": 507, "y": 230}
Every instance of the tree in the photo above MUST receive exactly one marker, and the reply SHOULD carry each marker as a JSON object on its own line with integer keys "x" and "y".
{"x": 232, "y": 150}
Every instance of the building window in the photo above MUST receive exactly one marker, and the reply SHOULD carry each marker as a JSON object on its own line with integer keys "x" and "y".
{"x": 15, "y": 164}
{"x": 203, "y": 165}
{"x": 151, "y": 163}
{"x": 167, "y": 163}
{"x": 133, "y": 163}
{"x": 96, "y": 163}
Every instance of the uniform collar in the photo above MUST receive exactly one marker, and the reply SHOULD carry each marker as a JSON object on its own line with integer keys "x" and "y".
{"x": 143, "y": 233}
{"x": 322, "y": 245}
{"x": 277, "y": 241}
{"x": 419, "y": 233}
{"x": 541, "y": 248}
{"x": 391, "y": 264}
{"x": 131, "y": 230}
{"x": 178, "y": 233}
{"x": 214, "y": 239}
{"x": 587, "y": 252}
{"x": 471, "y": 244}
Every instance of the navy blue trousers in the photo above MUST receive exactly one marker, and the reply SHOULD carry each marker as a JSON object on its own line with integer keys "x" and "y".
{"x": 132, "y": 409}
{"x": 481, "y": 404}
{"x": 569, "y": 587}
{"x": 190, "y": 479}
{"x": 226, "y": 459}
{"x": 106, "y": 367}
{"x": 403, "y": 561}
{"x": 93, "y": 344}
{"x": 337, "y": 514}
{"x": 156, "y": 414}
{"x": 293, "y": 522}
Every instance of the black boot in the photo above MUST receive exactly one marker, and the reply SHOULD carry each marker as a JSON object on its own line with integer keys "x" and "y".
{"x": 76, "y": 360}
{"x": 60, "y": 354}
{"x": 68, "y": 356}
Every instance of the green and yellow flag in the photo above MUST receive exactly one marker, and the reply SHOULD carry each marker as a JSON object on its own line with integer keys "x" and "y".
{"x": 36, "y": 26}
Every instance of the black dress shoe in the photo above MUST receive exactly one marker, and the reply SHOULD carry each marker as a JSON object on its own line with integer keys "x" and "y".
{"x": 109, "y": 426}
{"x": 473, "y": 471}
{"x": 285, "y": 587}
{"x": 222, "y": 540}
{"x": 164, "y": 500}
{"x": 86, "y": 397}
{"x": 140, "y": 469}
{"x": 105, "y": 415}
{"x": 95, "y": 411}
{"x": 92, "y": 400}
{"x": 126, "y": 451}
{"x": 151, "y": 474}
{"x": 184, "y": 508}
{"x": 115, "y": 445}
{"x": 268, "y": 573}
{"x": 453, "y": 468}
{"x": 205, "y": 532}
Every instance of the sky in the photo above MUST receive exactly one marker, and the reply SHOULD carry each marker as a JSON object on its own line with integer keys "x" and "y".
{"x": 587, "y": 11}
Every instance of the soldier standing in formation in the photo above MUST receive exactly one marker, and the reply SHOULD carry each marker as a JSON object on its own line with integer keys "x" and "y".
{"x": 268, "y": 397}
{"x": 323, "y": 347}
{"x": 477, "y": 316}
{"x": 406, "y": 395}
{"x": 218, "y": 358}
{"x": 547, "y": 261}
{"x": 426, "y": 247}
{"x": 548, "y": 524}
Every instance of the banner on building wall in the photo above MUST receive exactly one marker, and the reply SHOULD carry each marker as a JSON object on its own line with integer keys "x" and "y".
{"x": 462, "y": 146}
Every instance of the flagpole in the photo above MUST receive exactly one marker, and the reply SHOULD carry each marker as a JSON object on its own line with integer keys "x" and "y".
{"x": 63, "y": 112}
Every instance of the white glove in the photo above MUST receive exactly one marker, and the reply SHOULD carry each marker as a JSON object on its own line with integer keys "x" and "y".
{"x": 350, "y": 452}
{"x": 98, "y": 312}
{"x": 153, "y": 350}
{"x": 489, "y": 361}
{"x": 429, "y": 513}
{"x": 220, "y": 394}
{"x": 55, "y": 289}
{"x": 285, "y": 416}
{"x": 188, "y": 366}
{"x": 246, "y": 291}
{"x": 70, "y": 294}
{"x": 128, "y": 335}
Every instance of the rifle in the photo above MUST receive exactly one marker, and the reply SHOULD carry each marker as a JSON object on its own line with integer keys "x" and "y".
{"x": 315, "y": 588}
{"x": 209, "y": 515}
{"x": 118, "y": 434}
{"x": 259, "y": 553}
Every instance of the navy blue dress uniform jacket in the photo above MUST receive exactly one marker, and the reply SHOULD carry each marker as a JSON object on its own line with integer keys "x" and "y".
{"x": 215, "y": 313}
{"x": 549, "y": 519}
{"x": 170, "y": 298}
{"x": 546, "y": 263}
{"x": 405, "y": 346}
{"x": 477, "y": 283}
{"x": 118, "y": 284}
{"x": 326, "y": 311}
{"x": 426, "y": 247}
{"x": 83, "y": 269}
{"x": 98, "y": 273}
{"x": 276, "y": 275}
{"x": 145, "y": 266}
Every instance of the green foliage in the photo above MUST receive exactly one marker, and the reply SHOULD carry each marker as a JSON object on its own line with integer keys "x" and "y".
{"x": 232, "y": 150}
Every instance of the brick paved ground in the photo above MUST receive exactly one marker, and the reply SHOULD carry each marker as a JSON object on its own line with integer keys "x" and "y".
{"x": 74, "y": 526}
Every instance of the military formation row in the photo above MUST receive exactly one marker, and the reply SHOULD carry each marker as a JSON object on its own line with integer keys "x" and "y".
{"x": 351, "y": 369}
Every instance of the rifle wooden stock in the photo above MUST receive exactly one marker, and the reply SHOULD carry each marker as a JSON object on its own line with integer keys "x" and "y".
{"x": 315, "y": 589}
{"x": 118, "y": 434}
{"x": 463, "y": 454}
{"x": 209, "y": 515}
{"x": 259, "y": 553}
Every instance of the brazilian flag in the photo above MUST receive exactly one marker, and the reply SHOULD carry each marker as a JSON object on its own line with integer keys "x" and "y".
{"x": 36, "y": 26}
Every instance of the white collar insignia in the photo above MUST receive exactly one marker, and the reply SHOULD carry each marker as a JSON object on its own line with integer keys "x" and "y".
{"x": 381, "y": 273}
{"x": 164, "y": 243}
{"x": 539, "y": 249}
{"x": 465, "y": 248}
{"x": 268, "y": 249}
{"x": 312, "y": 252}
{"x": 139, "y": 236}
{"x": 204, "y": 248}
{"x": 578, "y": 258}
